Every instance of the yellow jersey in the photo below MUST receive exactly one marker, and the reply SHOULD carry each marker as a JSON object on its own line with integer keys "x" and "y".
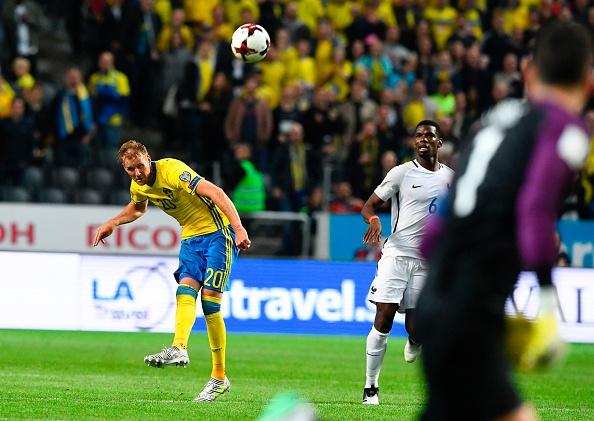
{"x": 172, "y": 190}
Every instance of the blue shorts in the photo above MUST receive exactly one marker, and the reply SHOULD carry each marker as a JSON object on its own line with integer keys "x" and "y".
{"x": 208, "y": 259}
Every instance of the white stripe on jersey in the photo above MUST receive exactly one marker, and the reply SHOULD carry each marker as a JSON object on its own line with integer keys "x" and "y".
{"x": 414, "y": 191}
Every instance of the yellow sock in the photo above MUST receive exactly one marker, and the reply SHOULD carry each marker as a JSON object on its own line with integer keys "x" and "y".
{"x": 217, "y": 338}
{"x": 185, "y": 315}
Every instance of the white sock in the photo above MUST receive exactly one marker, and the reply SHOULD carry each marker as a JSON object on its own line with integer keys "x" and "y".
{"x": 376, "y": 349}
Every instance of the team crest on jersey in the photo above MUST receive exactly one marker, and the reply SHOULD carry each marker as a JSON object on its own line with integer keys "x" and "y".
{"x": 185, "y": 177}
{"x": 168, "y": 192}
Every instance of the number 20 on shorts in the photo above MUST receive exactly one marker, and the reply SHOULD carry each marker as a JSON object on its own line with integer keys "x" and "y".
{"x": 214, "y": 278}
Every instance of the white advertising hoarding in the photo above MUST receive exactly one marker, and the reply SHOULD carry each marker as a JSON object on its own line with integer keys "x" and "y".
{"x": 71, "y": 228}
{"x": 133, "y": 293}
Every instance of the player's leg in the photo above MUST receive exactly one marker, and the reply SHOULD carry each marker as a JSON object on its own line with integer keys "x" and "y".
{"x": 221, "y": 254}
{"x": 417, "y": 271}
{"x": 188, "y": 276}
{"x": 386, "y": 292}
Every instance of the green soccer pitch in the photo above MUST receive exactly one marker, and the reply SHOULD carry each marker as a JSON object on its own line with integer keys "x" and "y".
{"x": 101, "y": 376}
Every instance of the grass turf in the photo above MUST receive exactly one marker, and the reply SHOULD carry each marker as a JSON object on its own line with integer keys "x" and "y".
{"x": 89, "y": 375}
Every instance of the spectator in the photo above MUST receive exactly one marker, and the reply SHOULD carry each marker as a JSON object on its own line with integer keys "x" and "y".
{"x": 6, "y": 97}
{"x": 444, "y": 97}
{"x": 288, "y": 55}
{"x": 110, "y": 91}
{"x": 174, "y": 59}
{"x": 144, "y": 28}
{"x": 295, "y": 170}
{"x": 510, "y": 75}
{"x": 378, "y": 65}
{"x": 408, "y": 14}
{"x": 297, "y": 29}
{"x": 271, "y": 12}
{"x": 322, "y": 122}
{"x": 388, "y": 160}
{"x": 357, "y": 109}
{"x": 274, "y": 74}
{"x": 249, "y": 193}
{"x": 417, "y": 107}
{"x": 22, "y": 19}
{"x": 496, "y": 43}
{"x": 39, "y": 112}
{"x": 462, "y": 118}
{"x": 363, "y": 161}
{"x": 393, "y": 49}
{"x": 114, "y": 33}
{"x": 74, "y": 126}
{"x": 18, "y": 141}
{"x": 344, "y": 201}
{"x": 214, "y": 106}
{"x": 21, "y": 69}
{"x": 285, "y": 115}
{"x": 249, "y": 120}
{"x": 475, "y": 79}
{"x": 177, "y": 27}
{"x": 305, "y": 73}
{"x": 442, "y": 18}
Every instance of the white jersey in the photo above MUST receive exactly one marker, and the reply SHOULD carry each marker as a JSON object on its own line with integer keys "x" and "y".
{"x": 414, "y": 191}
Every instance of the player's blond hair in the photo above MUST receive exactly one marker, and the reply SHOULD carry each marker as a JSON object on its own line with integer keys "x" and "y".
{"x": 130, "y": 149}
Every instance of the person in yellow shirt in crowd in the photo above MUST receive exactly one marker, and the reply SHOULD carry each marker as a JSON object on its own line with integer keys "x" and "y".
{"x": 474, "y": 17}
{"x": 325, "y": 42}
{"x": 237, "y": 11}
{"x": 342, "y": 70}
{"x": 442, "y": 19}
{"x": 6, "y": 97}
{"x": 515, "y": 16}
{"x": 221, "y": 27}
{"x": 288, "y": 55}
{"x": 273, "y": 77}
{"x": 199, "y": 12}
{"x": 340, "y": 14}
{"x": 310, "y": 12}
{"x": 21, "y": 67}
{"x": 110, "y": 91}
{"x": 306, "y": 66}
{"x": 176, "y": 26}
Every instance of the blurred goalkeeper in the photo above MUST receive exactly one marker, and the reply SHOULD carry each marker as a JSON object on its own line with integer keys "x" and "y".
{"x": 501, "y": 217}
{"x": 212, "y": 235}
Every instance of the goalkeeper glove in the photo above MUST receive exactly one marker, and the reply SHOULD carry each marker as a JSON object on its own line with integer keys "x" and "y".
{"x": 535, "y": 344}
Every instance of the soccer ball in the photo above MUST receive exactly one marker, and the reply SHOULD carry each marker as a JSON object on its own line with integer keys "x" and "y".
{"x": 250, "y": 43}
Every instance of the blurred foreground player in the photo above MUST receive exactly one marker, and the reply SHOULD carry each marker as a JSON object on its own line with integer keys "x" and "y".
{"x": 212, "y": 233}
{"x": 414, "y": 188}
{"x": 501, "y": 219}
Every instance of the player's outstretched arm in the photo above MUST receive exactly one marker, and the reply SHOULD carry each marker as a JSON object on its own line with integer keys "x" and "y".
{"x": 220, "y": 198}
{"x": 129, "y": 214}
{"x": 374, "y": 232}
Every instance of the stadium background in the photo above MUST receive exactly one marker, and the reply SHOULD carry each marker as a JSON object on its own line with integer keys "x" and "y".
{"x": 356, "y": 75}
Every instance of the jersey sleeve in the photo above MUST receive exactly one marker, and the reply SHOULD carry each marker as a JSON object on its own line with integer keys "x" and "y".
{"x": 551, "y": 169}
{"x": 391, "y": 183}
{"x": 181, "y": 176}
{"x": 135, "y": 195}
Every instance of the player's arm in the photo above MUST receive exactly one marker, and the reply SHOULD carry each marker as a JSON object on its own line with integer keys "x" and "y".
{"x": 374, "y": 231}
{"x": 219, "y": 197}
{"x": 389, "y": 186}
{"x": 130, "y": 213}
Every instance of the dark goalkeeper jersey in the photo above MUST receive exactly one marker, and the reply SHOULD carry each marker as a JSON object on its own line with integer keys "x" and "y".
{"x": 512, "y": 180}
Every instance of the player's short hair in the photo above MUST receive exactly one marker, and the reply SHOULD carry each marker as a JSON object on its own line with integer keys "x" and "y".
{"x": 130, "y": 149}
{"x": 563, "y": 53}
{"x": 429, "y": 123}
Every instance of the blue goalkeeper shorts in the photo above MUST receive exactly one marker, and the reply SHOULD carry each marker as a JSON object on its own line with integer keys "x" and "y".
{"x": 208, "y": 259}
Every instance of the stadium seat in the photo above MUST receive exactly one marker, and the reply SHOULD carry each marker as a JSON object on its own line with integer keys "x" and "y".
{"x": 119, "y": 197}
{"x": 52, "y": 195}
{"x": 66, "y": 178}
{"x": 88, "y": 197}
{"x": 16, "y": 194}
{"x": 99, "y": 179}
{"x": 34, "y": 178}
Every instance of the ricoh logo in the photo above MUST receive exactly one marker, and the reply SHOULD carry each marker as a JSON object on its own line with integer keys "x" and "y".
{"x": 141, "y": 298}
{"x": 329, "y": 304}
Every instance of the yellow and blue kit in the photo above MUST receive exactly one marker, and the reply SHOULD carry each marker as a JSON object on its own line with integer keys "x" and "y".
{"x": 208, "y": 241}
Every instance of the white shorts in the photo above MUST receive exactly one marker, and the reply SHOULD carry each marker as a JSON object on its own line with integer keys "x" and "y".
{"x": 398, "y": 280}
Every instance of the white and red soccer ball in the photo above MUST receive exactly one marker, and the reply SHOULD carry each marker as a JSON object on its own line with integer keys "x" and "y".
{"x": 250, "y": 43}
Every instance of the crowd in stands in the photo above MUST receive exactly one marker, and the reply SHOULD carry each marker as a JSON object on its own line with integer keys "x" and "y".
{"x": 338, "y": 95}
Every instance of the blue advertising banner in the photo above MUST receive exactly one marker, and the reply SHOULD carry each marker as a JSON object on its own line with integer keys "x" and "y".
{"x": 283, "y": 296}
{"x": 346, "y": 238}
{"x": 578, "y": 239}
